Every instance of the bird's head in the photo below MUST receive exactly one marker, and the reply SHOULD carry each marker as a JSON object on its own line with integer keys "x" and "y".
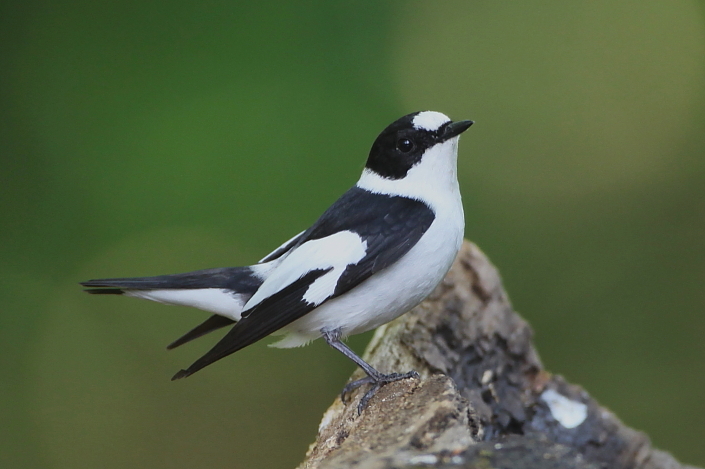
{"x": 420, "y": 138}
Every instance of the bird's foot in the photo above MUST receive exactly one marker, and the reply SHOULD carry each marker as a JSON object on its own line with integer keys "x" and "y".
{"x": 377, "y": 381}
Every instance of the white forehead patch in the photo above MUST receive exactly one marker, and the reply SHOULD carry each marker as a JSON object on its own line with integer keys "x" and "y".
{"x": 429, "y": 120}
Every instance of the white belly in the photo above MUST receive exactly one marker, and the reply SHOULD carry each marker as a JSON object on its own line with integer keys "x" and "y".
{"x": 390, "y": 292}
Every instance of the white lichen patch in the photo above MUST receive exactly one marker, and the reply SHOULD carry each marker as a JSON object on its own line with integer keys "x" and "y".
{"x": 567, "y": 412}
{"x": 423, "y": 459}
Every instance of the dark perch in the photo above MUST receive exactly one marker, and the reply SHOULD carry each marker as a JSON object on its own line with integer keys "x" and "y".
{"x": 479, "y": 401}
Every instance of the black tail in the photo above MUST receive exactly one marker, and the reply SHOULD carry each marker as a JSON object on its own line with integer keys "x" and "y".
{"x": 237, "y": 279}
{"x": 230, "y": 282}
{"x": 209, "y": 325}
{"x": 105, "y": 291}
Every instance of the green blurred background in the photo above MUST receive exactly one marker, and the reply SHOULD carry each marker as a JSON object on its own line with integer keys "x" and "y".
{"x": 141, "y": 138}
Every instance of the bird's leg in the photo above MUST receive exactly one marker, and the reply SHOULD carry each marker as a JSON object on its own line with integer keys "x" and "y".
{"x": 374, "y": 377}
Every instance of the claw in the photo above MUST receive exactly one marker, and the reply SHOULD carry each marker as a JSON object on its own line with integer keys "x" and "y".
{"x": 377, "y": 382}
{"x": 366, "y": 398}
{"x": 353, "y": 386}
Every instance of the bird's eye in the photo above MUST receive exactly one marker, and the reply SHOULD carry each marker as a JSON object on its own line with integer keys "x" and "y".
{"x": 405, "y": 145}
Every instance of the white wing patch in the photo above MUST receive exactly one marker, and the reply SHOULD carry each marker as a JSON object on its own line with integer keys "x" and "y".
{"x": 336, "y": 251}
{"x": 216, "y": 300}
{"x": 430, "y": 120}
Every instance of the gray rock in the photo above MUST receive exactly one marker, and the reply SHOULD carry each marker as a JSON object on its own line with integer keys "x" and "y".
{"x": 483, "y": 399}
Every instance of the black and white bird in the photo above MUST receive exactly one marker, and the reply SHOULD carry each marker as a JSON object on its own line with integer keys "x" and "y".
{"x": 377, "y": 252}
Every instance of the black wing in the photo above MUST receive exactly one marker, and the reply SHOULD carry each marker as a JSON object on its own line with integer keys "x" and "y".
{"x": 390, "y": 225}
{"x": 247, "y": 332}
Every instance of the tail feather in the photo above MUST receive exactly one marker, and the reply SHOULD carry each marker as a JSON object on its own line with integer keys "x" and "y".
{"x": 105, "y": 291}
{"x": 223, "y": 291}
{"x": 209, "y": 325}
{"x": 238, "y": 279}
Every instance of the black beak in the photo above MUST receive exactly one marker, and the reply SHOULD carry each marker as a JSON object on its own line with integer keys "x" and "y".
{"x": 454, "y": 129}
